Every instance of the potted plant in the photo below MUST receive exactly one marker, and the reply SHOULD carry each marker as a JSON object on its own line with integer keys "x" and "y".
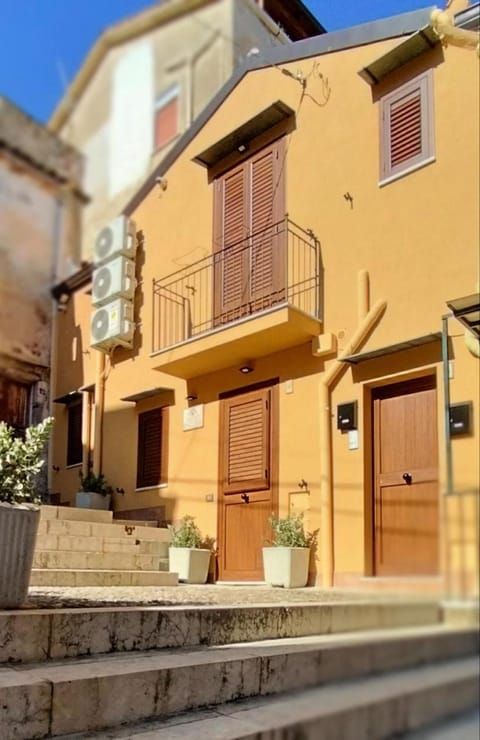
{"x": 20, "y": 463}
{"x": 186, "y": 555}
{"x": 285, "y": 563}
{"x": 95, "y": 492}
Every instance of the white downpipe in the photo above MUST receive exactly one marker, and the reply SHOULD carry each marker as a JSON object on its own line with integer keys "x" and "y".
{"x": 368, "y": 318}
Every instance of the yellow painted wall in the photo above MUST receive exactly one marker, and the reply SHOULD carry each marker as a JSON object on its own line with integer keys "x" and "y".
{"x": 418, "y": 238}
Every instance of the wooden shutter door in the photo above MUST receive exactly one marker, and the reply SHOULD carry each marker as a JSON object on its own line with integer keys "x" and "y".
{"x": 248, "y": 434}
{"x": 230, "y": 245}
{"x": 267, "y": 257}
{"x": 247, "y": 448}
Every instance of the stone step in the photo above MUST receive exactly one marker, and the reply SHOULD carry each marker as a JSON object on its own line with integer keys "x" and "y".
{"x": 71, "y": 560}
{"x": 94, "y": 693}
{"x": 135, "y": 522}
{"x": 72, "y": 514}
{"x": 461, "y": 613}
{"x": 72, "y": 543}
{"x": 82, "y": 528}
{"x": 52, "y": 634}
{"x": 85, "y": 577}
{"x": 398, "y": 704}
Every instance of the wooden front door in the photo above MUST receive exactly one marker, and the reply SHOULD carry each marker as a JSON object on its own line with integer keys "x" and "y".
{"x": 248, "y": 441}
{"x": 250, "y": 235}
{"x": 406, "y": 479}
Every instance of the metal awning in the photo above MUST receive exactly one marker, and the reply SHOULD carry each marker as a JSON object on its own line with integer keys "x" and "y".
{"x": 68, "y": 397}
{"x": 238, "y": 140}
{"x": 467, "y": 311}
{"x": 392, "y": 348}
{"x": 421, "y": 41}
{"x": 135, "y": 397}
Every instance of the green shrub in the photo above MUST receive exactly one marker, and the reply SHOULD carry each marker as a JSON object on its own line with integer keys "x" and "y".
{"x": 94, "y": 483}
{"x": 289, "y": 532}
{"x": 185, "y": 534}
{"x": 21, "y": 461}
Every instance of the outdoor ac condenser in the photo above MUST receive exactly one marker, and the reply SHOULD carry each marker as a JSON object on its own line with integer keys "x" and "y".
{"x": 114, "y": 279}
{"x": 112, "y": 325}
{"x": 118, "y": 238}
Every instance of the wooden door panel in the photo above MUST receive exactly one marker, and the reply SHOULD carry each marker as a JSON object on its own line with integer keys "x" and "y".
{"x": 406, "y": 480}
{"x": 406, "y": 523}
{"x": 246, "y": 526}
{"x": 248, "y": 435}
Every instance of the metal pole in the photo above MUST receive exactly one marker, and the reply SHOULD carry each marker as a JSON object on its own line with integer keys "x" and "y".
{"x": 446, "y": 404}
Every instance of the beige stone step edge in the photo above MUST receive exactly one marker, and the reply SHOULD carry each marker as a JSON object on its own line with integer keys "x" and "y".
{"x": 410, "y": 704}
{"x": 83, "y": 696}
{"x": 54, "y": 543}
{"x": 97, "y": 529}
{"x": 72, "y": 513}
{"x": 48, "y": 577}
{"x": 135, "y": 522}
{"x": 71, "y": 560}
{"x": 35, "y": 635}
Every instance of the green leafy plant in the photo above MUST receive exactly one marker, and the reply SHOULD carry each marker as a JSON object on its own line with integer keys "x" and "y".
{"x": 185, "y": 534}
{"x": 92, "y": 483}
{"x": 21, "y": 461}
{"x": 290, "y": 532}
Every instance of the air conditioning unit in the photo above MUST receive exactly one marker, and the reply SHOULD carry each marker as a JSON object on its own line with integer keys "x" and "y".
{"x": 115, "y": 279}
{"x": 112, "y": 325}
{"x": 115, "y": 239}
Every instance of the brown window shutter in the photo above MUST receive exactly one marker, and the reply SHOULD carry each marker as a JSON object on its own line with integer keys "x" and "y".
{"x": 14, "y": 404}
{"x": 406, "y": 128}
{"x": 74, "y": 433}
{"x": 152, "y": 448}
{"x": 247, "y": 448}
{"x": 407, "y": 131}
{"x": 166, "y": 123}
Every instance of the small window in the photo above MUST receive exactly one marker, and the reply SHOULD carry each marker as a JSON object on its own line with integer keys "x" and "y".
{"x": 14, "y": 403}
{"x": 407, "y": 127}
{"x": 74, "y": 433}
{"x": 152, "y": 454}
{"x": 166, "y": 124}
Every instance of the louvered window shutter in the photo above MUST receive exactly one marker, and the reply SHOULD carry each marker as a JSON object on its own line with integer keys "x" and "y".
{"x": 247, "y": 448}
{"x": 234, "y": 272}
{"x": 152, "y": 448}
{"x": 407, "y": 126}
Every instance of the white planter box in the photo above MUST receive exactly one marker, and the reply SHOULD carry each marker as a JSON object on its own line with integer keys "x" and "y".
{"x": 90, "y": 500}
{"x": 18, "y": 533}
{"x": 286, "y": 566}
{"x": 190, "y": 563}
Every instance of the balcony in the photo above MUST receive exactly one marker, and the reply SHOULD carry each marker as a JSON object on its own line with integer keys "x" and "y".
{"x": 250, "y": 299}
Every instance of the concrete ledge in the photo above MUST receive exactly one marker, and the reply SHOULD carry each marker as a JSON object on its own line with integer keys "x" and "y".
{"x": 88, "y": 695}
{"x": 61, "y": 633}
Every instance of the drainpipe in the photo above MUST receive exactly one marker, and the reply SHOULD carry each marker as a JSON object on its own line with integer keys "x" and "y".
{"x": 444, "y": 26}
{"x": 99, "y": 410}
{"x": 367, "y": 321}
{"x": 446, "y": 404}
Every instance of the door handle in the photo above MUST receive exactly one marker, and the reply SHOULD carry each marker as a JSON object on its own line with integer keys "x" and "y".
{"x": 245, "y": 497}
{"x": 407, "y": 478}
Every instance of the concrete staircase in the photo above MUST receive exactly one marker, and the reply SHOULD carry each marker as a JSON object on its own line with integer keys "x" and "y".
{"x": 85, "y": 547}
{"x": 214, "y": 672}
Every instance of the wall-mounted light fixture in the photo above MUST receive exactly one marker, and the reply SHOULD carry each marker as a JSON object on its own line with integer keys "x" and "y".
{"x": 242, "y": 148}
{"x": 302, "y": 483}
{"x": 245, "y": 369}
{"x": 191, "y": 397}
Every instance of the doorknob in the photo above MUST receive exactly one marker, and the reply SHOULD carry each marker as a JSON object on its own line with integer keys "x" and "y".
{"x": 407, "y": 478}
{"x": 245, "y": 497}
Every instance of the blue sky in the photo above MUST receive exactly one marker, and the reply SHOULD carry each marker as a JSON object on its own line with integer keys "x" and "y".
{"x": 43, "y": 42}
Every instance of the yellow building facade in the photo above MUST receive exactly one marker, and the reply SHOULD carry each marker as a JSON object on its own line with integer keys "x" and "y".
{"x": 303, "y": 362}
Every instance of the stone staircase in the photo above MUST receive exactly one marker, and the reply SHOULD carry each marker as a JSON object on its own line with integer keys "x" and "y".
{"x": 215, "y": 672}
{"x": 85, "y": 547}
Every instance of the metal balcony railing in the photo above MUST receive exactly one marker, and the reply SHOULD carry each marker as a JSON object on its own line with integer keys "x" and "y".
{"x": 279, "y": 265}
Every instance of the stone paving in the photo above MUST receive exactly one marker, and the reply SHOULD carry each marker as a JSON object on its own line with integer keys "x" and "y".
{"x": 190, "y": 595}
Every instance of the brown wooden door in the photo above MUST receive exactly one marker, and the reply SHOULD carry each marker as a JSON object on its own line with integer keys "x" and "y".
{"x": 248, "y": 440}
{"x": 14, "y": 399}
{"x": 250, "y": 236}
{"x": 406, "y": 479}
